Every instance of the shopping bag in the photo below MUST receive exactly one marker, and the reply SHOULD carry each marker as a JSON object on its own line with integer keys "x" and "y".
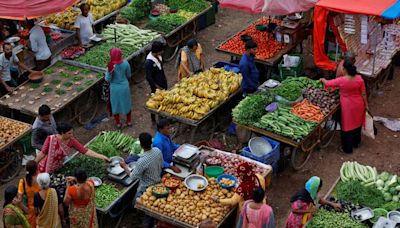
{"x": 368, "y": 128}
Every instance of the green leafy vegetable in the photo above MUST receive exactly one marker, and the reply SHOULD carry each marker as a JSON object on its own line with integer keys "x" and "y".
{"x": 64, "y": 75}
{"x": 35, "y": 85}
{"x": 47, "y": 89}
{"x": 89, "y": 82}
{"x": 85, "y": 71}
{"x": 251, "y": 109}
{"x": 77, "y": 78}
{"x": 196, "y": 6}
{"x": 331, "y": 219}
{"x": 60, "y": 92}
{"x": 49, "y": 70}
{"x": 166, "y": 23}
{"x": 355, "y": 192}
{"x": 68, "y": 84}
{"x": 292, "y": 87}
{"x": 99, "y": 75}
{"x": 72, "y": 68}
{"x": 55, "y": 82}
{"x": 99, "y": 55}
{"x": 117, "y": 143}
{"x": 391, "y": 206}
{"x": 93, "y": 167}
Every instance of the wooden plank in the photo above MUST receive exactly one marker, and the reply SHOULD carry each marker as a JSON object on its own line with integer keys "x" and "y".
{"x": 21, "y": 135}
{"x": 64, "y": 100}
{"x": 187, "y": 121}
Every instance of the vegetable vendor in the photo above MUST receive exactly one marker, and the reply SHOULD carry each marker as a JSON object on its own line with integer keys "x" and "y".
{"x": 349, "y": 57}
{"x": 38, "y": 45}
{"x": 163, "y": 141}
{"x": 248, "y": 181}
{"x": 118, "y": 74}
{"x": 190, "y": 60}
{"x": 58, "y": 146}
{"x": 148, "y": 170}
{"x": 10, "y": 77}
{"x": 81, "y": 199}
{"x": 247, "y": 66}
{"x": 84, "y": 25}
{"x": 353, "y": 105}
{"x": 43, "y": 126}
{"x": 153, "y": 66}
{"x": 305, "y": 202}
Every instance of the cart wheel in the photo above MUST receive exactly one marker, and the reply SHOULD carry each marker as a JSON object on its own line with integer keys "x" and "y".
{"x": 85, "y": 108}
{"x": 11, "y": 162}
{"x": 170, "y": 53}
{"x": 328, "y": 133}
{"x": 299, "y": 158}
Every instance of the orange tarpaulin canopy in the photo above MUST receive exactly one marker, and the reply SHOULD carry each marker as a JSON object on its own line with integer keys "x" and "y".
{"x": 29, "y": 9}
{"x": 389, "y": 9}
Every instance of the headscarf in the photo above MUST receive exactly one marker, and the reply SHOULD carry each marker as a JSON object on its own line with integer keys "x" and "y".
{"x": 308, "y": 194}
{"x": 115, "y": 58}
{"x": 248, "y": 180}
{"x": 9, "y": 194}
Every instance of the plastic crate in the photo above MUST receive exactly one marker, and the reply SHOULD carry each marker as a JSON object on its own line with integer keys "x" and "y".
{"x": 225, "y": 64}
{"x": 271, "y": 158}
{"x": 285, "y": 72}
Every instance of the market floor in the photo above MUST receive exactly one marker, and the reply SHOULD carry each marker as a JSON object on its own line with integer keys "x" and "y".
{"x": 381, "y": 152}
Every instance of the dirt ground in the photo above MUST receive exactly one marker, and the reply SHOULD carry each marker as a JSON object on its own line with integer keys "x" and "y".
{"x": 381, "y": 152}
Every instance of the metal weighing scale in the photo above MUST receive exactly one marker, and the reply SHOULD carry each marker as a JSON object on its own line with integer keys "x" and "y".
{"x": 187, "y": 158}
{"x": 117, "y": 173}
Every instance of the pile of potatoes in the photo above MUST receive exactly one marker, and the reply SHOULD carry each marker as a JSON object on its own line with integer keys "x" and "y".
{"x": 10, "y": 129}
{"x": 189, "y": 206}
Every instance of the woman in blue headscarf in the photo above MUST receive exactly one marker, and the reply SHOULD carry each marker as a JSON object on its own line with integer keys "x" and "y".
{"x": 305, "y": 202}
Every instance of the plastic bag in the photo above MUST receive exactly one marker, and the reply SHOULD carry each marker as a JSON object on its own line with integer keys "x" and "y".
{"x": 368, "y": 128}
{"x": 290, "y": 61}
{"x": 391, "y": 124}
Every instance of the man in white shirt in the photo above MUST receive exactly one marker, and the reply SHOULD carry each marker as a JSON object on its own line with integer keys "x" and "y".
{"x": 8, "y": 62}
{"x": 84, "y": 25}
{"x": 39, "y": 45}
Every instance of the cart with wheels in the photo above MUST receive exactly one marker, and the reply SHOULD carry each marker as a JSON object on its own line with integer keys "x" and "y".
{"x": 11, "y": 152}
{"x": 301, "y": 151}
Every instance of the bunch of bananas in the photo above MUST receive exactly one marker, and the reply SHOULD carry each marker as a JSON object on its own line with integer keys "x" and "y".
{"x": 194, "y": 97}
{"x": 98, "y": 8}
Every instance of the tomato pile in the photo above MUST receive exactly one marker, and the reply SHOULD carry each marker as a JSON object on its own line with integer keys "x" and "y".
{"x": 267, "y": 45}
{"x": 72, "y": 52}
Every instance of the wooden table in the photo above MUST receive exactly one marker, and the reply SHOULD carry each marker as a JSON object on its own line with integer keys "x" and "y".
{"x": 85, "y": 101}
{"x": 194, "y": 124}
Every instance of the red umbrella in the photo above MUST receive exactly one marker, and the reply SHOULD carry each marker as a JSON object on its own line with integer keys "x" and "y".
{"x": 29, "y": 9}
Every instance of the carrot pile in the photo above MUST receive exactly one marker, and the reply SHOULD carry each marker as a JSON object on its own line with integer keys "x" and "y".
{"x": 267, "y": 46}
{"x": 308, "y": 111}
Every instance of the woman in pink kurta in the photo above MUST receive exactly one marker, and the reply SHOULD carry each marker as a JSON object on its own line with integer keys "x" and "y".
{"x": 353, "y": 102}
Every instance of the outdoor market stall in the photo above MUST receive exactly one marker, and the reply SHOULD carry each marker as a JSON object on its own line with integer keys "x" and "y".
{"x": 10, "y": 153}
{"x": 176, "y": 20}
{"x": 130, "y": 39}
{"x": 194, "y": 100}
{"x": 271, "y": 45}
{"x": 61, "y": 85}
{"x": 116, "y": 191}
{"x": 360, "y": 27}
{"x": 186, "y": 203}
{"x": 300, "y": 117}
{"x": 368, "y": 199}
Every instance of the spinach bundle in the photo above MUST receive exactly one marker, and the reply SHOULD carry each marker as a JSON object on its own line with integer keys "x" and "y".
{"x": 331, "y": 219}
{"x": 357, "y": 193}
{"x": 166, "y": 23}
{"x": 251, "y": 109}
{"x": 195, "y": 6}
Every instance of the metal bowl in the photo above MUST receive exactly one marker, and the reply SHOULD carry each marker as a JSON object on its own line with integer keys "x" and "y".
{"x": 196, "y": 183}
{"x": 259, "y": 146}
{"x": 116, "y": 160}
{"x": 13, "y": 39}
{"x": 394, "y": 216}
{"x": 97, "y": 181}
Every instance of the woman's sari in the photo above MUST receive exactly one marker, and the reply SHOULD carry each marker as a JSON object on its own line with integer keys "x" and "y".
{"x": 48, "y": 216}
{"x": 57, "y": 151}
{"x": 84, "y": 215}
{"x": 13, "y": 216}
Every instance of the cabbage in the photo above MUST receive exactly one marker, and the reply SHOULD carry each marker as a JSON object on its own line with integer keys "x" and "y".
{"x": 387, "y": 196}
{"x": 136, "y": 148}
{"x": 393, "y": 191}
{"x": 384, "y": 176}
{"x": 398, "y": 187}
{"x": 395, "y": 199}
{"x": 380, "y": 183}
